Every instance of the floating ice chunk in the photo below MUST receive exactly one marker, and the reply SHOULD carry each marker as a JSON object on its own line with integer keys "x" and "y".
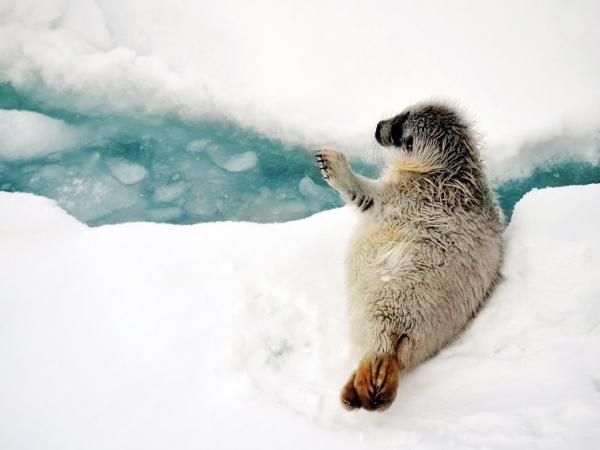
{"x": 169, "y": 192}
{"x": 101, "y": 197}
{"x": 88, "y": 195}
{"x": 271, "y": 206}
{"x": 165, "y": 214}
{"x": 48, "y": 173}
{"x": 315, "y": 195}
{"x": 239, "y": 163}
{"x": 200, "y": 145}
{"x": 94, "y": 198}
{"x": 27, "y": 134}
{"x": 309, "y": 188}
{"x": 125, "y": 171}
{"x": 199, "y": 203}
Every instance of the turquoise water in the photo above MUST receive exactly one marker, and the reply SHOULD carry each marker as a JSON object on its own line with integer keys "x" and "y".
{"x": 170, "y": 171}
{"x": 564, "y": 174}
{"x": 167, "y": 170}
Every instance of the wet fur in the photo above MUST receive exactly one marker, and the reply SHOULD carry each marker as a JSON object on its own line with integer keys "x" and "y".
{"x": 426, "y": 251}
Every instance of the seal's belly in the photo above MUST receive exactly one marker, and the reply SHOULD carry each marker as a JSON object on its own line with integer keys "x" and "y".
{"x": 378, "y": 254}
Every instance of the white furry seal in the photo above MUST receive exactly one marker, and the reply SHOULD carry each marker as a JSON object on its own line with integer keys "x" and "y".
{"x": 427, "y": 249}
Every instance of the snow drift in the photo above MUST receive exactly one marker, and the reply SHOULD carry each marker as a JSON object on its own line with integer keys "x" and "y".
{"x": 228, "y": 335}
{"x": 315, "y": 73}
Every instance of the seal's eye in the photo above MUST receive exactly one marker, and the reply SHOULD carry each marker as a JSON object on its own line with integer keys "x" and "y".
{"x": 408, "y": 143}
{"x": 396, "y": 135}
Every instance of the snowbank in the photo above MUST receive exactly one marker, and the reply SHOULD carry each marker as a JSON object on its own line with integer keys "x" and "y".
{"x": 315, "y": 73}
{"x": 232, "y": 335}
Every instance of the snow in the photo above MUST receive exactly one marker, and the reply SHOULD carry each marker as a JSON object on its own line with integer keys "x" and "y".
{"x": 27, "y": 134}
{"x": 546, "y": 152}
{"x": 229, "y": 335}
{"x": 318, "y": 73}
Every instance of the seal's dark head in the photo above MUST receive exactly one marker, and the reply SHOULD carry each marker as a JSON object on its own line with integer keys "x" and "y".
{"x": 431, "y": 134}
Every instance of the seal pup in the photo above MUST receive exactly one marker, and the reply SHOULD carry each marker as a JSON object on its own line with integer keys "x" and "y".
{"x": 426, "y": 251}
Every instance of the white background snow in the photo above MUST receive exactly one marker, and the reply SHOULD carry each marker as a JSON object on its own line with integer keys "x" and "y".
{"x": 233, "y": 335}
{"x": 318, "y": 72}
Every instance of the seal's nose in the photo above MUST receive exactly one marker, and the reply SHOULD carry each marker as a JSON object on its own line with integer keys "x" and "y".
{"x": 378, "y": 132}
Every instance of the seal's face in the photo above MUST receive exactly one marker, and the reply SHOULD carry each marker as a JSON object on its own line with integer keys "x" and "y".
{"x": 430, "y": 133}
{"x": 391, "y": 132}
